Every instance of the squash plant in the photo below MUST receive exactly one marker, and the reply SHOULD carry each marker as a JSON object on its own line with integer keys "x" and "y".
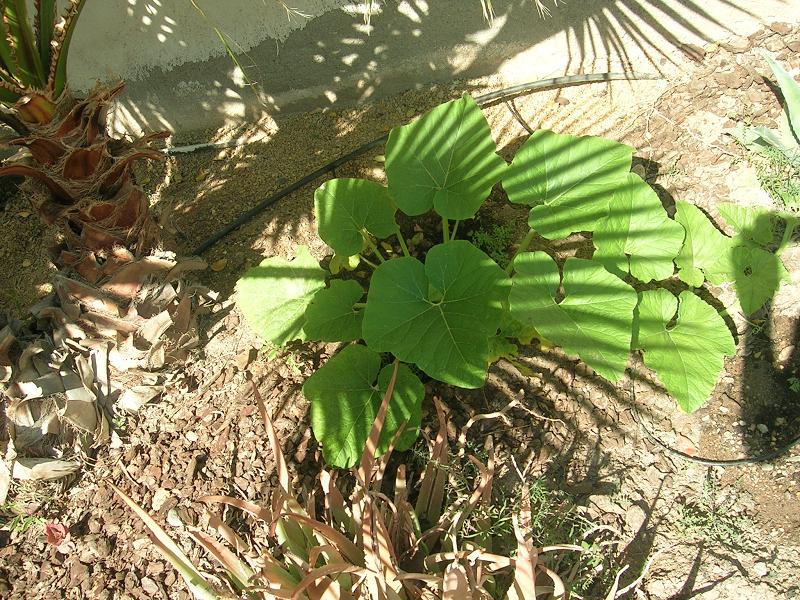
{"x": 453, "y": 311}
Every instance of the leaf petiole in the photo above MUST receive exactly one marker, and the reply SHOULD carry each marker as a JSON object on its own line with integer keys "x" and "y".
{"x": 401, "y": 239}
{"x": 367, "y": 261}
{"x": 523, "y": 245}
{"x": 371, "y": 245}
{"x": 445, "y": 231}
{"x": 455, "y": 230}
{"x": 360, "y": 305}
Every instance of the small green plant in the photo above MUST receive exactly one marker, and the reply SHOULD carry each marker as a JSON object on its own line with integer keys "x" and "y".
{"x": 794, "y": 384}
{"x": 370, "y": 547}
{"x": 779, "y": 167}
{"x": 495, "y": 241}
{"x": 451, "y": 311}
{"x": 713, "y": 517}
{"x": 17, "y": 521}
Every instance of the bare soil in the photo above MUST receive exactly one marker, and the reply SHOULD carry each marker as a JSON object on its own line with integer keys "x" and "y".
{"x": 711, "y": 532}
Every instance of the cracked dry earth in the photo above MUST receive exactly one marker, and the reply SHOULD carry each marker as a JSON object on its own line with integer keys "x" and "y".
{"x": 703, "y": 532}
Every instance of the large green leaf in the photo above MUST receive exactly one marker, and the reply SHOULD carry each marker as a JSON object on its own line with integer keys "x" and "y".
{"x": 752, "y": 224}
{"x": 706, "y": 252}
{"x": 439, "y": 315}
{"x": 345, "y": 208}
{"x": 637, "y": 237}
{"x": 758, "y": 276}
{"x": 274, "y": 295}
{"x": 568, "y": 180}
{"x": 594, "y": 321}
{"x": 345, "y": 398}
{"x": 446, "y": 161}
{"x": 689, "y": 355}
{"x": 331, "y": 316}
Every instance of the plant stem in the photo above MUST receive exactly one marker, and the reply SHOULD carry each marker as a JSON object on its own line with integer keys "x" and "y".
{"x": 373, "y": 247}
{"x": 791, "y": 223}
{"x": 369, "y": 262}
{"x": 360, "y": 305}
{"x": 455, "y": 229}
{"x": 523, "y": 245}
{"x": 401, "y": 239}
{"x": 445, "y": 231}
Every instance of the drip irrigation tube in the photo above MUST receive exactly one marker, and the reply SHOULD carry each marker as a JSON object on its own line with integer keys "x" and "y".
{"x": 485, "y": 99}
{"x": 711, "y": 462}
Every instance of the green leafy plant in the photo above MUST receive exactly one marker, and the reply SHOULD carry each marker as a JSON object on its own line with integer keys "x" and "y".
{"x": 786, "y": 139}
{"x": 495, "y": 241}
{"x": 777, "y": 151}
{"x": 794, "y": 384}
{"x": 370, "y": 547}
{"x": 450, "y": 311}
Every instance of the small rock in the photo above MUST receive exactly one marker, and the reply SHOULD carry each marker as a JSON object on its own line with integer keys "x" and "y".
{"x": 149, "y": 586}
{"x": 785, "y": 354}
{"x": 737, "y": 44}
{"x": 793, "y": 46}
{"x": 781, "y": 28}
{"x": 218, "y": 265}
{"x": 774, "y": 44}
{"x": 192, "y": 436}
{"x": 562, "y": 101}
{"x": 762, "y": 428}
{"x": 760, "y": 569}
{"x": 26, "y": 263}
{"x": 160, "y": 498}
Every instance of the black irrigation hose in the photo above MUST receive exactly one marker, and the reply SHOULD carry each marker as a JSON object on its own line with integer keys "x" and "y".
{"x": 503, "y": 94}
{"x": 710, "y": 462}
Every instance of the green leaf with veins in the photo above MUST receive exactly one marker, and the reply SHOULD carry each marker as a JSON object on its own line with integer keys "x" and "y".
{"x": 688, "y": 356}
{"x": 637, "y": 236}
{"x": 346, "y": 207}
{"x": 706, "y": 252}
{"x": 444, "y": 161}
{"x": 752, "y": 224}
{"x": 345, "y": 394}
{"x": 274, "y": 295}
{"x": 758, "y": 276}
{"x": 331, "y": 316}
{"x": 568, "y": 180}
{"x": 439, "y": 315}
{"x": 593, "y": 321}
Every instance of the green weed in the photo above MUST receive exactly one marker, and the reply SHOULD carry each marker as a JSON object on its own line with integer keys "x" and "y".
{"x": 495, "y": 241}
{"x": 712, "y": 517}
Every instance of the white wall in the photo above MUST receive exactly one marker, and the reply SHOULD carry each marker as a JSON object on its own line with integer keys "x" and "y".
{"x": 180, "y": 78}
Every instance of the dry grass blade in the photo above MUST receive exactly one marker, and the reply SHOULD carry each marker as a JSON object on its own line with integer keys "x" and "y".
{"x": 435, "y": 475}
{"x": 257, "y": 511}
{"x": 194, "y": 580}
{"x": 455, "y": 585}
{"x": 239, "y": 573}
{"x": 330, "y": 588}
{"x": 347, "y": 548}
{"x": 524, "y": 586}
{"x": 334, "y": 502}
{"x": 368, "y": 457}
{"x": 280, "y": 460}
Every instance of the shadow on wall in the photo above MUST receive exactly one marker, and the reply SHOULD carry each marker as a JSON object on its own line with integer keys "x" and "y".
{"x": 337, "y": 60}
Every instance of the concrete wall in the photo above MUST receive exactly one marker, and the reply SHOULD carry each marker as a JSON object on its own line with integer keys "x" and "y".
{"x": 180, "y": 78}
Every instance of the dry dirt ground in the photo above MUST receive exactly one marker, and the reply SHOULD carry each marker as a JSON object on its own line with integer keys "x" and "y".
{"x": 702, "y": 531}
